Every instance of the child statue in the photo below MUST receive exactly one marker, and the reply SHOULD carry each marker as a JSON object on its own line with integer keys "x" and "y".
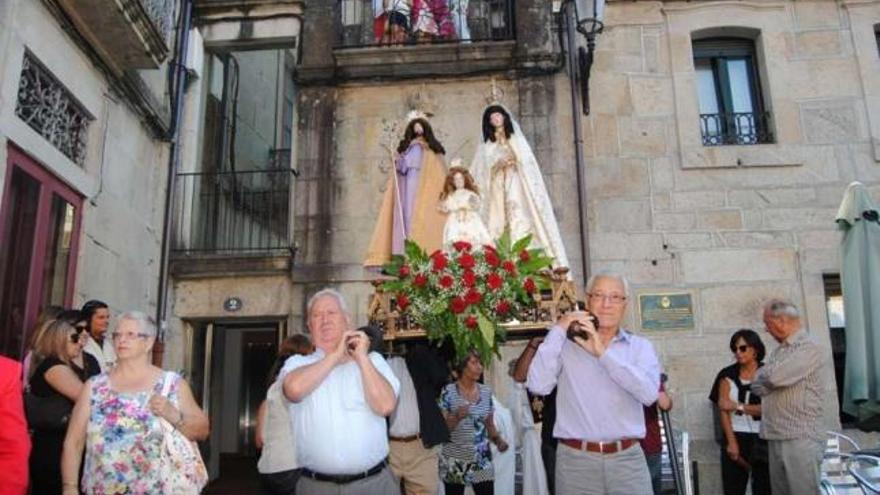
{"x": 460, "y": 200}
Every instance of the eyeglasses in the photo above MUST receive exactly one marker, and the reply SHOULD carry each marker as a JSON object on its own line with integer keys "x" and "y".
{"x": 612, "y": 298}
{"x": 81, "y": 328}
{"x": 116, "y": 336}
{"x": 741, "y": 348}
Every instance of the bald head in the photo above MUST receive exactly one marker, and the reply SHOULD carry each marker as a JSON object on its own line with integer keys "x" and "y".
{"x": 782, "y": 319}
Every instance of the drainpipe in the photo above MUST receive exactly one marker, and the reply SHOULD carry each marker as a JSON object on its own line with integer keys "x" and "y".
{"x": 177, "y": 88}
{"x": 580, "y": 167}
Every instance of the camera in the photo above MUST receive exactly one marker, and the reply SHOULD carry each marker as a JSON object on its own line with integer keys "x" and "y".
{"x": 575, "y": 329}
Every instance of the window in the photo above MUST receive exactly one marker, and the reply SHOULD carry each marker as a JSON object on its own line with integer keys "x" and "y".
{"x": 877, "y": 36}
{"x": 38, "y": 239}
{"x": 731, "y": 107}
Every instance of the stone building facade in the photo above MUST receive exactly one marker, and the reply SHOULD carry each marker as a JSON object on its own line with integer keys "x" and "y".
{"x": 84, "y": 113}
{"x": 720, "y": 140}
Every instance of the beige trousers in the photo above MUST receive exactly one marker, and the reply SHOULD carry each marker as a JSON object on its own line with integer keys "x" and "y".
{"x": 416, "y": 466}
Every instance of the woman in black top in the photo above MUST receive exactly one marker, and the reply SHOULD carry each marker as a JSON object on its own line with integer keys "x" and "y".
{"x": 53, "y": 373}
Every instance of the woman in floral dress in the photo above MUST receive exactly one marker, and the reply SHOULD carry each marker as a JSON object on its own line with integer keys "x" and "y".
{"x": 466, "y": 405}
{"x": 117, "y": 419}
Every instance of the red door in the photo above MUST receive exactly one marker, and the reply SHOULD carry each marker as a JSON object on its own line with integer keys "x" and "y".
{"x": 39, "y": 233}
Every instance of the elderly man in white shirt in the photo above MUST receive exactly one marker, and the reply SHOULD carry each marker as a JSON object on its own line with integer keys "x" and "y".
{"x": 340, "y": 397}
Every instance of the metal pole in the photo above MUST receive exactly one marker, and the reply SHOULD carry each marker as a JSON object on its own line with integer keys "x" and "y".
{"x": 673, "y": 453}
{"x": 173, "y": 165}
{"x": 580, "y": 167}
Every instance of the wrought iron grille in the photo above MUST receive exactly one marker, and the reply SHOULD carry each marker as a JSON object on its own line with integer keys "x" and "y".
{"x": 438, "y": 21}
{"x": 735, "y": 128}
{"x": 160, "y": 11}
{"x": 234, "y": 212}
{"x": 52, "y": 110}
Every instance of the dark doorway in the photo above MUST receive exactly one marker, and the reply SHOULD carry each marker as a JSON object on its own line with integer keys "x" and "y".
{"x": 230, "y": 363}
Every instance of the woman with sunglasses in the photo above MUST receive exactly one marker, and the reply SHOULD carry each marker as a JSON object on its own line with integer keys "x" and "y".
{"x": 84, "y": 363}
{"x": 744, "y": 454}
{"x": 52, "y": 372}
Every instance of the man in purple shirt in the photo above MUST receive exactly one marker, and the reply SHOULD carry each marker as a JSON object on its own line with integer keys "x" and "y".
{"x": 603, "y": 383}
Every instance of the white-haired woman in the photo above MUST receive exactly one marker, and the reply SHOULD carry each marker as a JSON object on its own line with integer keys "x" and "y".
{"x": 116, "y": 419}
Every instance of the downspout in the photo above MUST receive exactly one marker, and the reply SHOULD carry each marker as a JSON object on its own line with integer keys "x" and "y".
{"x": 580, "y": 167}
{"x": 179, "y": 65}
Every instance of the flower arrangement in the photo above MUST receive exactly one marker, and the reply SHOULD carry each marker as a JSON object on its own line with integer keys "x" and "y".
{"x": 463, "y": 294}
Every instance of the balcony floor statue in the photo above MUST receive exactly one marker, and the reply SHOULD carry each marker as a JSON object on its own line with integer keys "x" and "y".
{"x": 409, "y": 206}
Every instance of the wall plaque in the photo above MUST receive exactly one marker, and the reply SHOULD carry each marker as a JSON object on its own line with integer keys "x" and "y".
{"x": 666, "y": 311}
{"x": 232, "y": 304}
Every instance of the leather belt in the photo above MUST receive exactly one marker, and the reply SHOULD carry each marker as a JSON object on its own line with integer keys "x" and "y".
{"x": 342, "y": 479}
{"x": 408, "y": 438}
{"x": 599, "y": 447}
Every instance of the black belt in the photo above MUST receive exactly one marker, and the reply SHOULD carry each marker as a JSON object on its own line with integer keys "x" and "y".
{"x": 342, "y": 479}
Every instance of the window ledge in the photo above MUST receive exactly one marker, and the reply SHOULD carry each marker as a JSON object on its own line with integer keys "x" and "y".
{"x": 185, "y": 266}
{"x": 745, "y": 155}
{"x": 424, "y": 60}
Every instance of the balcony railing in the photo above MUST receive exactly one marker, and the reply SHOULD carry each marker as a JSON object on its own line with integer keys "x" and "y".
{"x": 720, "y": 129}
{"x": 234, "y": 212}
{"x": 434, "y": 21}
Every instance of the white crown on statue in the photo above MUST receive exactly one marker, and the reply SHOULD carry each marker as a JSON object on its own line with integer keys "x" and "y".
{"x": 415, "y": 114}
{"x": 457, "y": 162}
{"x": 495, "y": 95}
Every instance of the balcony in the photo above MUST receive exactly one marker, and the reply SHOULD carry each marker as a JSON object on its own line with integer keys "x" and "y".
{"x": 225, "y": 216}
{"x": 719, "y": 129}
{"x": 128, "y": 34}
{"x": 454, "y": 37}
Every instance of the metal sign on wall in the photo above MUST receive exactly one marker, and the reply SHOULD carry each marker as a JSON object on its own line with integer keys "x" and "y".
{"x": 666, "y": 311}
{"x": 232, "y": 304}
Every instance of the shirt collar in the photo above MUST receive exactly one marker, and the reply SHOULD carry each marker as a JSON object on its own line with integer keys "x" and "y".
{"x": 622, "y": 336}
{"x": 796, "y": 337}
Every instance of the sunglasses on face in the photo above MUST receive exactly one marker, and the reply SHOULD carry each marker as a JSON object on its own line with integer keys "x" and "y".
{"x": 74, "y": 338}
{"x": 740, "y": 348}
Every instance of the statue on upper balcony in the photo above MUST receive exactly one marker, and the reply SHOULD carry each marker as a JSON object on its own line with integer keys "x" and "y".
{"x": 432, "y": 19}
{"x": 409, "y": 206}
{"x": 391, "y": 21}
{"x": 515, "y": 197}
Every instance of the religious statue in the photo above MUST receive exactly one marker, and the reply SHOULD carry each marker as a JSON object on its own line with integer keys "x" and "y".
{"x": 409, "y": 206}
{"x": 460, "y": 200}
{"x": 515, "y": 195}
{"x": 391, "y": 21}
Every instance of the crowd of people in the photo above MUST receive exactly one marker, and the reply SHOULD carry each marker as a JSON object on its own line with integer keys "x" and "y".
{"x": 341, "y": 418}
{"x": 402, "y": 21}
{"x": 87, "y": 412}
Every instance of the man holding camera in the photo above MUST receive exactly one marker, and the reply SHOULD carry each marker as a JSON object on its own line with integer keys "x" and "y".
{"x": 604, "y": 376}
{"x": 340, "y": 397}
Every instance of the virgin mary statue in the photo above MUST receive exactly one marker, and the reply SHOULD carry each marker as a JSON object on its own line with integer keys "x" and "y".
{"x": 514, "y": 193}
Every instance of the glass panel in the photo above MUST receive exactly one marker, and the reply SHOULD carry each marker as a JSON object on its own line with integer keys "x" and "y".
{"x": 16, "y": 253}
{"x": 741, "y": 99}
{"x": 706, "y": 86}
{"x": 836, "y": 318}
{"x": 55, "y": 272}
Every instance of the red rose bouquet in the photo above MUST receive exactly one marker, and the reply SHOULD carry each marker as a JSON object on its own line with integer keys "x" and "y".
{"x": 465, "y": 293}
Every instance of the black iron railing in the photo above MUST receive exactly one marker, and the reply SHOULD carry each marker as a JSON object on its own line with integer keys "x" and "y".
{"x": 735, "y": 128}
{"x": 404, "y": 22}
{"x": 234, "y": 212}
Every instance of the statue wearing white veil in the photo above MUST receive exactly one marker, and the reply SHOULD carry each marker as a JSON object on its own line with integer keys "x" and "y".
{"x": 514, "y": 193}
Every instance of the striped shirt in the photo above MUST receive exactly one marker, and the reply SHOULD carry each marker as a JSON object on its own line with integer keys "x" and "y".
{"x": 791, "y": 386}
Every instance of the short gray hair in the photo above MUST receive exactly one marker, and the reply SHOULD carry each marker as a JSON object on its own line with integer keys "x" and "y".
{"x": 327, "y": 292}
{"x": 781, "y": 307}
{"x": 146, "y": 324}
{"x": 609, "y": 274}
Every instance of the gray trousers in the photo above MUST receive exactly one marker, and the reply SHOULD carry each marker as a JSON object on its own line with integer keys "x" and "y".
{"x": 591, "y": 473}
{"x": 378, "y": 484}
{"x": 795, "y": 466}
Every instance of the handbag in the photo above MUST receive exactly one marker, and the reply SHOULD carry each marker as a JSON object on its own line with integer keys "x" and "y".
{"x": 50, "y": 413}
{"x": 182, "y": 466}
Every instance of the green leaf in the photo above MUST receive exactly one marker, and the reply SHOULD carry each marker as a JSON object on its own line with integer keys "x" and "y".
{"x": 502, "y": 245}
{"x": 522, "y": 244}
{"x": 534, "y": 264}
{"x": 487, "y": 328}
{"x": 414, "y": 252}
